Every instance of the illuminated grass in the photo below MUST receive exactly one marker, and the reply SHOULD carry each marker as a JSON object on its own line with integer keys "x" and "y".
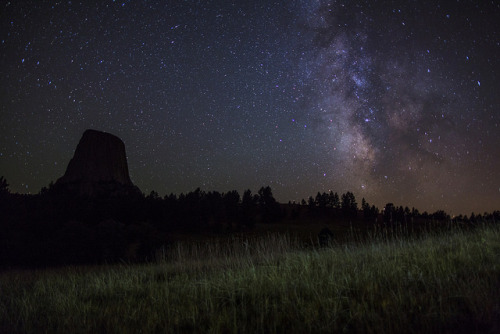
{"x": 438, "y": 283}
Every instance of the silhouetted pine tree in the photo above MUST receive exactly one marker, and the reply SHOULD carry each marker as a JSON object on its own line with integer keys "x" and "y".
{"x": 269, "y": 208}
{"x": 248, "y": 208}
{"x": 349, "y": 205}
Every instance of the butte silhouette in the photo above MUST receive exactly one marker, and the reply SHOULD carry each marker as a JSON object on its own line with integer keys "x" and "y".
{"x": 98, "y": 168}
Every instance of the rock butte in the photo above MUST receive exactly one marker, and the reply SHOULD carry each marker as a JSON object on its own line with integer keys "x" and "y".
{"x": 98, "y": 167}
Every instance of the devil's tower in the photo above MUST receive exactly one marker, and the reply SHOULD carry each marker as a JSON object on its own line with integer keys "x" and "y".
{"x": 98, "y": 168}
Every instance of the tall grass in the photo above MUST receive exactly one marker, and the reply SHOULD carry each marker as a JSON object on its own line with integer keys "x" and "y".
{"x": 438, "y": 283}
{"x": 228, "y": 252}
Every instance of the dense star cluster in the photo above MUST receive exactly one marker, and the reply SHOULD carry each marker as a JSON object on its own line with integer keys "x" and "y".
{"x": 396, "y": 101}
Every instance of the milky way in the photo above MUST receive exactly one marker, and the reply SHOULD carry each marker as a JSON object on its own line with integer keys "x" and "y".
{"x": 395, "y": 101}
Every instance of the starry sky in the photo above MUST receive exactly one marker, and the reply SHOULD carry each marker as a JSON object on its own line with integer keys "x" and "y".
{"x": 396, "y": 101}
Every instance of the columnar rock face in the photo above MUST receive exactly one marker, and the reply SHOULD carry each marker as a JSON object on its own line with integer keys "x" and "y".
{"x": 98, "y": 168}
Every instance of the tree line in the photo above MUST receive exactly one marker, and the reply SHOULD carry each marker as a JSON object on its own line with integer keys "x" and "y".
{"x": 53, "y": 228}
{"x": 213, "y": 209}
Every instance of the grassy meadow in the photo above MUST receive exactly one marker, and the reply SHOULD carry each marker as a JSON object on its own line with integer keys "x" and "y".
{"x": 434, "y": 283}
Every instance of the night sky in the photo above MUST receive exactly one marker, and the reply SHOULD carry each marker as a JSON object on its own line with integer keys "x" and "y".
{"x": 396, "y": 101}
